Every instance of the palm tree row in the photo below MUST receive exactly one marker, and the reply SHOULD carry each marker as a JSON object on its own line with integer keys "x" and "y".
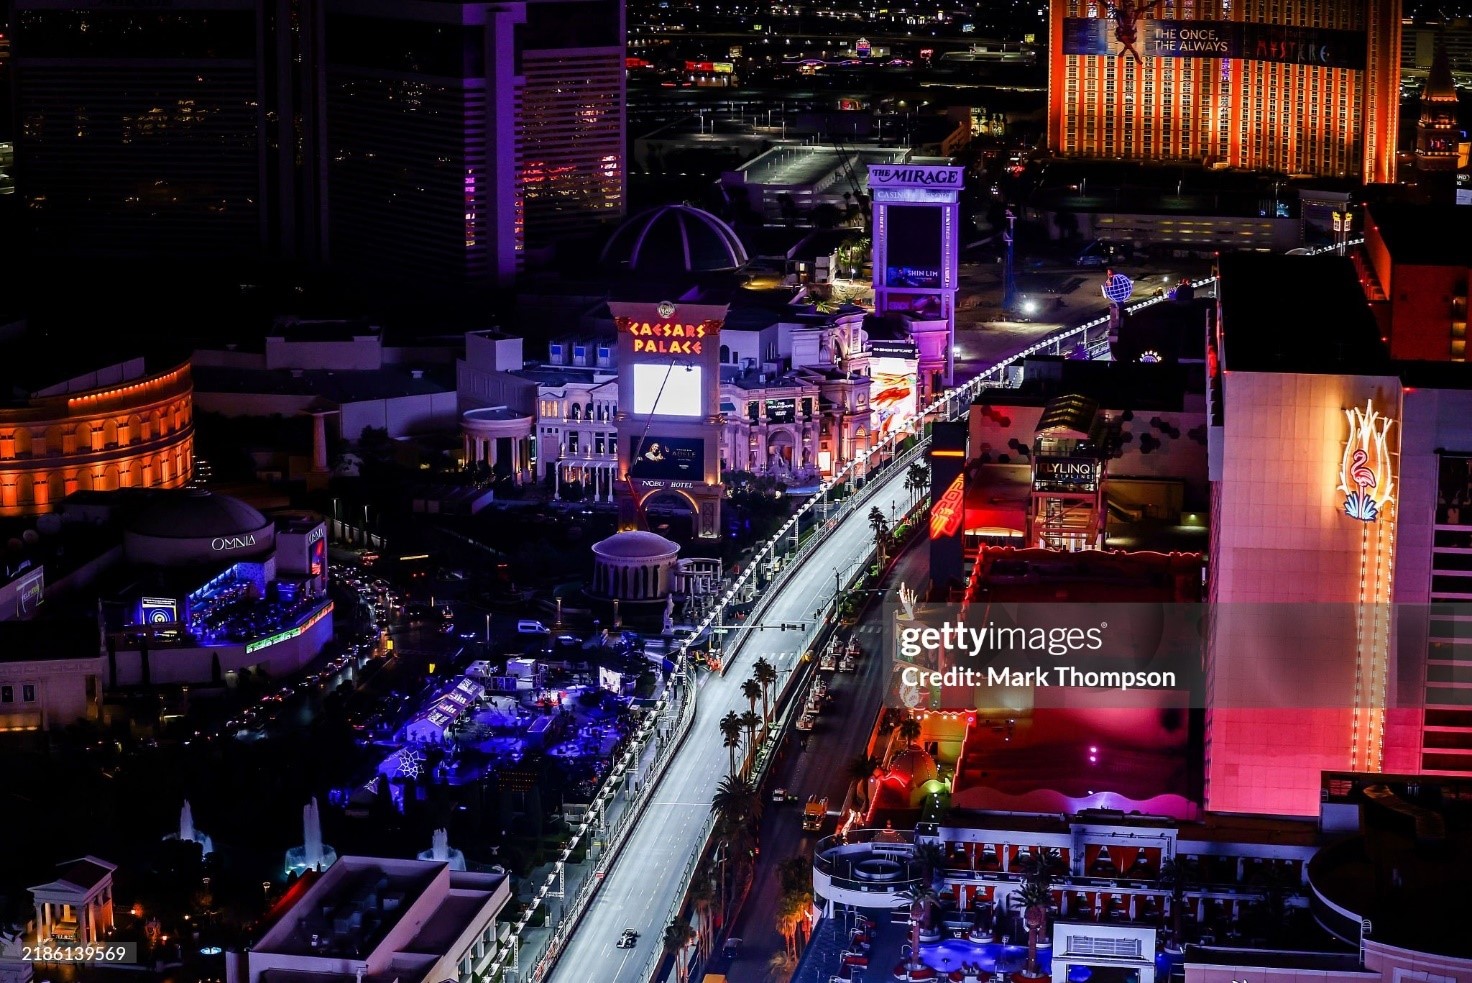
{"x": 1039, "y": 870}
{"x": 759, "y": 686}
{"x": 879, "y": 525}
{"x": 794, "y": 905}
{"x": 917, "y": 479}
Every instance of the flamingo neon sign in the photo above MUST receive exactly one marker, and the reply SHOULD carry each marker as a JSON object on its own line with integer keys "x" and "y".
{"x": 1364, "y": 474}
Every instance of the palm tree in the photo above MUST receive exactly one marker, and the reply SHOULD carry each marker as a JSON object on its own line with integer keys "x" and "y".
{"x": 922, "y": 899}
{"x": 736, "y": 803}
{"x": 751, "y": 722}
{"x": 917, "y": 478}
{"x": 766, "y": 674}
{"x": 752, "y": 690}
{"x": 731, "y": 735}
{"x": 677, "y": 936}
{"x": 907, "y": 731}
{"x": 1177, "y": 875}
{"x": 1036, "y": 899}
{"x": 931, "y": 858}
{"x": 780, "y": 967}
{"x": 880, "y": 527}
{"x": 861, "y": 769}
{"x": 703, "y": 898}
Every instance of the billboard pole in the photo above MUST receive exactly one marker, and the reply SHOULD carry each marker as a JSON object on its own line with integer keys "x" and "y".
{"x": 1009, "y": 272}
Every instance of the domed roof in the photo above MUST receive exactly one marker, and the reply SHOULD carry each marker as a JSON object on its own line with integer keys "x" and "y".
{"x": 675, "y": 239}
{"x": 197, "y": 514}
{"x": 915, "y": 765}
{"x": 636, "y": 545}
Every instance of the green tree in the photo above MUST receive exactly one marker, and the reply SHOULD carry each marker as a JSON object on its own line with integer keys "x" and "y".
{"x": 736, "y": 803}
{"x": 1036, "y": 898}
{"x": 879, "y": 525}
{"x": 795, "y": 874}
{"x": 677, "y": 938}
{"x": 766, "y": 674}
{"x": 906, "y": 732}
{"x": 751, "y": 722}
{"x": 731, "y": 736}
{"x": 861, "y": 769}
{"x": 752, "y": 690}
{"x": 917, "y": 479}
{"x": 923, "y": 900}
{"x": 1178, "y": 875}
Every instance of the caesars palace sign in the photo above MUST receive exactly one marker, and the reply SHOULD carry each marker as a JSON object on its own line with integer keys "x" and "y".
{"x": 667, "y": 339}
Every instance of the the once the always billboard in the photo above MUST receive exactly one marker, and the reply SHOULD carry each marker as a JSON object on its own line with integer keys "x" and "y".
{"x": 1292, "y": 45}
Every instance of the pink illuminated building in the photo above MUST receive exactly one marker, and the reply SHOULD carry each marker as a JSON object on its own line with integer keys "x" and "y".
{"x": 1338, "y": 477}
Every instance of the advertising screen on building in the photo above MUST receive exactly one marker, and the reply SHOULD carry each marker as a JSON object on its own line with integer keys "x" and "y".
{"x": 1292, "y": 45}
{"x": 892, "y": 393}
{"x": 781, "y": 410}
{"x": 159, "y": 610}
{"x": 667, "y": 458}
{"x": 913, "y": 246}
{"x": 667, "y": 389}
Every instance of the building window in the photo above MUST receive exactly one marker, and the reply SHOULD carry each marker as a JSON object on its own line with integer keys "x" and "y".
{"x": 7, "y": 694}
{"x": 598, "y": 444}
{"x": 28, "y": 693}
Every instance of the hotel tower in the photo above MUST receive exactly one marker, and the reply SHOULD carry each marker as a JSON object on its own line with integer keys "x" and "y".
{"x": 1294, "y": 86}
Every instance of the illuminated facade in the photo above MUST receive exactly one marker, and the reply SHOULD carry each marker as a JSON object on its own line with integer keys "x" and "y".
{"x": 571, "y": 117}
{"x": 916, "y": 226}
{"x": 134, "y": 431}
{"x": 1306, "y": 468}
{"x": 1297, "y": 88}
{"x": 669, "y": 426}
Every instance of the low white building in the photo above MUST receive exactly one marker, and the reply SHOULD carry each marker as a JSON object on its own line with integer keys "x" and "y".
{"x": 381, "y": 920}
{"x": 76, "y": 907}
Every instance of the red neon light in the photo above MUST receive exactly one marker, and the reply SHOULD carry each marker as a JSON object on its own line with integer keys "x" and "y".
{"x": 946, "y": 514}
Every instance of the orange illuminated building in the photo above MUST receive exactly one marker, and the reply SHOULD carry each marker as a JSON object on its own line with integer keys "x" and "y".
{"x": 1414, "y": 268}
{"x": 1291, "y": 86}
{"x": 122, "y": 426}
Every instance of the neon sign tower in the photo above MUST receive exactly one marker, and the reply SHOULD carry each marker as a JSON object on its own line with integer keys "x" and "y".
{"x": 1367, "y": 480}
{"x": 917, "y": 214}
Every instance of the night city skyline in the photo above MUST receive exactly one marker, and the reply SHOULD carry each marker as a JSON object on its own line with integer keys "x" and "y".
{"x": 625, "y": 491}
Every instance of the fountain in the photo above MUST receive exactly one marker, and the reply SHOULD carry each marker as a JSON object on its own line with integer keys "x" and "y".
{"x": 188, "y": 834}
{"x": 442, "y": 852}
{"x": 313, "y": 854}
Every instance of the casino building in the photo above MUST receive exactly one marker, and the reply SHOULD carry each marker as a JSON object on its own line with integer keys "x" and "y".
{"x": 1296, "y": 88}
{"x": 123, "y": 424}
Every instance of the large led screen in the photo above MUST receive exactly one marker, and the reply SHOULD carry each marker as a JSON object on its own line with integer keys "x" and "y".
{"x": 891, "y": 393}
{"x": 1283, "y": 43}
{"x": 912, "y": 244}
{"x": 672, "y": 458}
{"x": 667, "y": 389}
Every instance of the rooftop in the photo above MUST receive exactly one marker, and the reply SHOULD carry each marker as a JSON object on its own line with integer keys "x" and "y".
{"x": 1428, "y": 235}
{"x": 355, "y": 906}
{"x": 336, "y": 386}
{"x": 1113, "y": 385}
{"x": 84, "y": 873}
{"x": 1297, "y": 314}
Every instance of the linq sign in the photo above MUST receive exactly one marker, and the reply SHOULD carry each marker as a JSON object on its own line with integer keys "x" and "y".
{"x": 666, "y": 339}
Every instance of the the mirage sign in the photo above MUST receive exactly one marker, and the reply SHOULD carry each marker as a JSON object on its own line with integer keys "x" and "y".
{"x": 915, "y": 176}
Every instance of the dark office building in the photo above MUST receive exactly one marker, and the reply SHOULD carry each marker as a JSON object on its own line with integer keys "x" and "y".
{"x": 420, "y": 141}
{"x": 141, "y": 128}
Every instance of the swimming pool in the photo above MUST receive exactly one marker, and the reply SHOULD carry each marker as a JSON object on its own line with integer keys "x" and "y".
{"x": 991, "y": 957}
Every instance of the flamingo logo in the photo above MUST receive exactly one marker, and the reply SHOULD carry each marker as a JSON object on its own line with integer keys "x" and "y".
{"x": 1364, "y": 475}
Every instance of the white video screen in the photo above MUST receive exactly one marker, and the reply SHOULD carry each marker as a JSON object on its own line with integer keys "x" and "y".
{"x": 667, "y": 389}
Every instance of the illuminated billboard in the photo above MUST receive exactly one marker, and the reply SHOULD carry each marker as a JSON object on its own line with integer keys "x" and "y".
{"x": 668, "y": 389}
{"x": 159, "y": 610}
{"x": 891, "y": 393}
{"x": 1285, "y": 44}
{"x": 913, "y": 246}
{"x": 667, "y": 458}
{"x": 781, "y": 410}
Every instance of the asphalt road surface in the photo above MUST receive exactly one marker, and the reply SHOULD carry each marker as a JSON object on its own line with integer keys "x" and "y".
{"x": 649, "y": 872}
{"x": 641, "y": 885}
{"x": 822, "y": 769}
